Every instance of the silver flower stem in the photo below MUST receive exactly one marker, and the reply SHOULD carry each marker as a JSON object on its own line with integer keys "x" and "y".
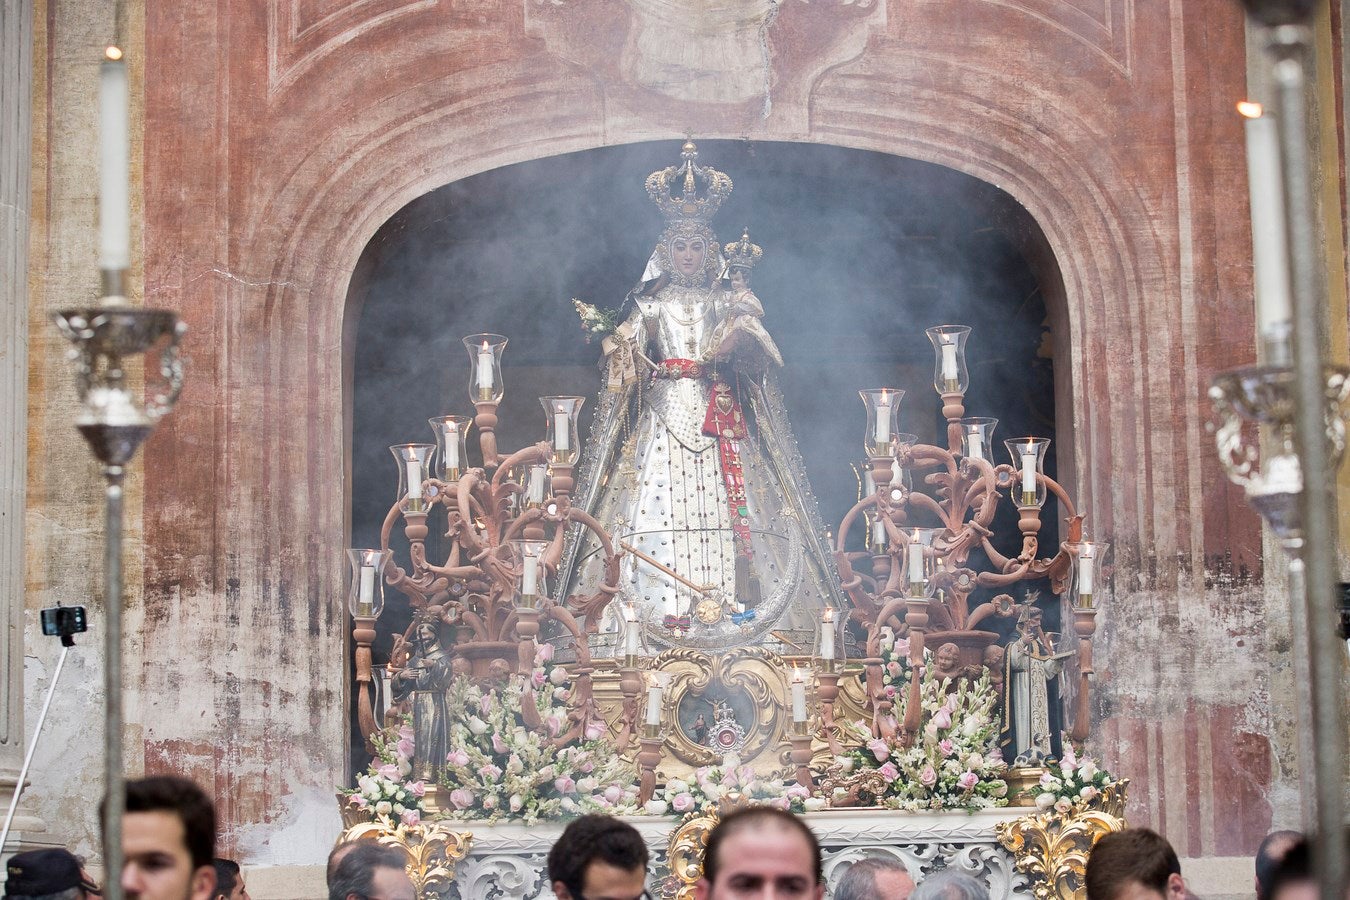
{"x": 115, "y": 778}
{"x": 1289, "y": 45}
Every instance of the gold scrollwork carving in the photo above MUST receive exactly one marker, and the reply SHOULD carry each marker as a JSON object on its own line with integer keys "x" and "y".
{"x": 433, "y": 851}
{"x": 1052, "y": 848}
{"x": 857, "y": 789}
{"x": 684, "y": 853}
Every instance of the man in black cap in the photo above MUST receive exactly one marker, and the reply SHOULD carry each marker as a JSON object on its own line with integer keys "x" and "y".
{"x": 52, "y": 873}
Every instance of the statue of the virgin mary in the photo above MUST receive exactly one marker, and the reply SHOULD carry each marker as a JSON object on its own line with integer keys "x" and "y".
{"x": 691, "y": 464}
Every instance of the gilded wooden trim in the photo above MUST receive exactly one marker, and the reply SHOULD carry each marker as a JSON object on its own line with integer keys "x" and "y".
{"x": 432, "y": 849}
{"x": 1052, "y": 848}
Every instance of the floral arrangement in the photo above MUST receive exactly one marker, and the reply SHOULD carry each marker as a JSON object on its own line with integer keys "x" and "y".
{"x": 595, "y": 321}
{"x": 954, "y": 762}
{"x": 711, "y": 784}
{"x": 498, "y": 767}
{"x": 1071, "y": 781}
{"x": 383, "y": 791}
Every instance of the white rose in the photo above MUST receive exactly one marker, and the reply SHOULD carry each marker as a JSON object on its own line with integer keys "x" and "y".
{"x": 677, "y": 786}
{"x": 814, "y": 803}
{"x": 656, "y": 807}
{"x": 1087, "y": 771}
{"x": 587, "y": 785}
{"x": 845, "y": 763}
{"x": 477, "y": 725}
{"x": 384, "y": 808}
{"x": 558, "y": 676}
{"x": 1045, "y": 801}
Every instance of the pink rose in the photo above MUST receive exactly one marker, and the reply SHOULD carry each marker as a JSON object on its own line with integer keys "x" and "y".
{"x": 484, "y": 704}
{"x": 554, "y": 725}
{"x": 1047, "y": 779}
{"x": 358, "y": 801}
{"x": 490, "y": 772}
{"x": 928, "y": 776}
{"x": 893, "y": 669}
{"x": 889, "y": 691}
{"x": 595, "y": 729}
{"x": 889, "y": 771}
{"x": 879, "y": 749}
{"x": 947, "y": 747}
{"x": 613, "y": 793}
{"x": 457, "y": 758}
{"x": 902, "y": 646}
{"x": 565, "y": 785}
{"x": 782, "y": 803}
{"x": 461, "y": 798}
{"x": 967, "y": 781}
{"x": 942, "y": 719}
{"x": 587, "y": 767}
{"x": 1070, "y": 759}
{"x": 405, "y": 733}
{"x": 543, "y": 654}
{"x": 538, "y": 678}
{"x": 411, "y": 817}
{"x": 388, "y": 770}
{"x": 405, "y": 748}
{"x": 418, "y": 788}
{"x": 682, "y": 802}
{"x": 498, "y": 745}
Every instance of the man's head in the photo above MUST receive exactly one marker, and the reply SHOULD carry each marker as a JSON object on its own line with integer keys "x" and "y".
{"x": 229, "y": 881}
{"x": 875, "y": 879}
{"x": 53, "y": 872}
{"x": 1268, "y": 856}
{"x": 598, "y": 857}
{"x": 950, "y": 886}
{"x": 1293, "y": 877}
{"x": 761, "y": 851}
{"x": 1134, "y": 864}
{"x": 371, "y": 872}
{"x": 168, "y": 839}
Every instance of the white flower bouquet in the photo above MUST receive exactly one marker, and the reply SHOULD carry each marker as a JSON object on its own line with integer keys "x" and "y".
{"x": 711, "y": 784}
{"x": 383, "y": 791}
{"x": 595, "y": 321}
{"x": 1071, "y": 782}
{"x": 499, "y": 768}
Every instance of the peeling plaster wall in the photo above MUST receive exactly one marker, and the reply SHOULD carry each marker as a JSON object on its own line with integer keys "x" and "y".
{"x": 279, "y": 136}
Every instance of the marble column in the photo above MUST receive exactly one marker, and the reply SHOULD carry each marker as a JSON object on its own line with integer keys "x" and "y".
{"x": 16, "y": 84}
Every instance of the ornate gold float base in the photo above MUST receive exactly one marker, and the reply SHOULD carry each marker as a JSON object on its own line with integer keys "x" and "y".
{"x": 432, "y": 849}
{"x": 1052, "y": 848}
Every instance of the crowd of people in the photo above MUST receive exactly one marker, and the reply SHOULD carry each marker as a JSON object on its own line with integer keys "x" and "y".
{"x": 759, "y": 852}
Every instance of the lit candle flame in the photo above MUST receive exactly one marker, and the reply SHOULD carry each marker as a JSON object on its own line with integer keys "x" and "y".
{"x": 797, "y": 674}
{"x": 486, "y": 345}
{"x": 1250, "y": 109}
{"x": 113, "y": 53}
{"x": 828, "y": 614}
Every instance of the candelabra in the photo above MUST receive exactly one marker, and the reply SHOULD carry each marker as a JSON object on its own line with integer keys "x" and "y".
{"x": 919, "y": 574}
{"x": 106, "y": 341}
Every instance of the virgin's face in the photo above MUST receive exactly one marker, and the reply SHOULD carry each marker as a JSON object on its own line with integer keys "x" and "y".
{"x": 687, "y": 254}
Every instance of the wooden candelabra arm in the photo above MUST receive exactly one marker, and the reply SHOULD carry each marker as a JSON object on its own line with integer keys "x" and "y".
{"x": 485, "y": 419}
{"x": 953, "y": 409}
{"x": 535, "y": 453}
{"x": 801, "y": 755}
{"x": 363, "y": 632}
{"x": 630, "y": 686}
{"x": 648, "y": 758}
{"x": 827, "y": 691}
{"x": 1085, "y": 626}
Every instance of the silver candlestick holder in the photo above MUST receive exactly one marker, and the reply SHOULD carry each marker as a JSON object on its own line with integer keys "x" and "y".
{"x": 119, "y": 410}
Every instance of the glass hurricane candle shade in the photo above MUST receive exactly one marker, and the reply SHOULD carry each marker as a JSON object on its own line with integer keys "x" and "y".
{"x": 919, "y": 562}
{"x": 452, "y": 434}
{"x": 485, "y": 367}
{"x": 1088, "y": 558}
{"x": 949, "y": 372}
{"x": 413, "y": 464}
{"x": 1028, "y": 460}
{"x": 365, "y": 588}
{"x": 560, "y": 426}
{"x": 530, "y": 556}
{"x": 883, "y": 407}
{"x": 977, "y": 437}
{"x": 536, "y": 484}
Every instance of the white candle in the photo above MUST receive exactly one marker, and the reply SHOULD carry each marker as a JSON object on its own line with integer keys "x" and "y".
{"x": 562, "y": 431}
{"x": 529, "y": 575}
{"x": 367, "y": 596}
{"x": 878, "y": 533}
{"x": 949, "y": 359}
{"x": 976, "y": 444}
{"x": 882, "y": 433}
{"x": 915, "y": 560}
{"x": 114, "y": 172}
{"x": 798, "y": 697}
{"x": 1269, "y": 258}
{"x": 535, "y": 492}
{"x": 827, "y": 635}
{"x": 1283, "y": 475}
{"x": 654, "y": 703}
{"x": 1029, "y": 469}
{"x": 414, "y": 479}
{"x": 1085, "y": 564}
{"x": 485, "y": 366}
{"x": 452, "y": 445}
{"x": 630, "y": 639}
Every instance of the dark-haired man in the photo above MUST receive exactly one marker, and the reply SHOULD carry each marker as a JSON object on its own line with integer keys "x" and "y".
{"x": 229, "y": 881}
{"x": 53, "y": 872}
{"x": 1134, "y": 864}
{"x": 761, "y": 852}
{"x": 597, "y": 857}
{"x": 371, "y": 872}
{"x": 1268, "y": 856}
{"x": 168, "y": 839}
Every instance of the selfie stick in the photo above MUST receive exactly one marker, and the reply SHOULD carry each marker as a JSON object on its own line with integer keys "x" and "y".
{"x": 66, "y": 644}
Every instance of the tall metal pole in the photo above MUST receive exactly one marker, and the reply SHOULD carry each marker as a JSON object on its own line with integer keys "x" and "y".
{"x": 1289, "y": 44}
{"x": 114, "y": 777}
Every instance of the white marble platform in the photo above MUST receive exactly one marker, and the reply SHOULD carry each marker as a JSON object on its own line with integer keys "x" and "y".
{"x": 506, "y": 862}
